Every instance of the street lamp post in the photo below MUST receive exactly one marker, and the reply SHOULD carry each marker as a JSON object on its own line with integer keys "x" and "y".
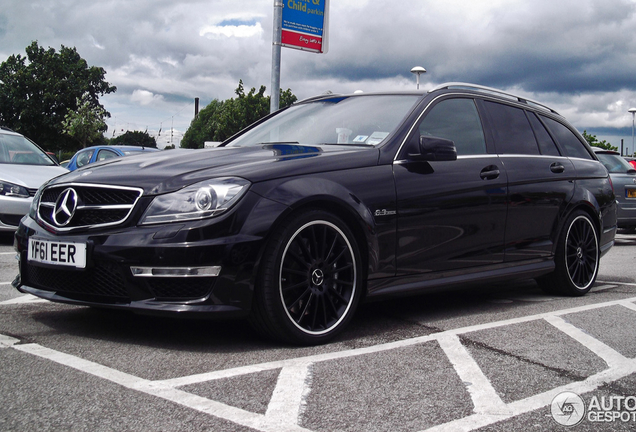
{"x": 633, "y": 111}
{"x": 419, "y": 70}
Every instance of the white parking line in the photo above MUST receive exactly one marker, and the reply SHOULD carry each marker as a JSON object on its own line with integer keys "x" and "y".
{"x": 597, "y": 288}
{"x": 539, "y": 401}
{"x": 484, "y": 396}
{"x": 615, "y": 283}
{"x": 217, "y": 409}
{"x": 7, "y": 341}
{"x": 27, "y": 298}
{"x": 294, "y": 382}
{"x": 609, "y": 355}
{"x": 288, "y": 399}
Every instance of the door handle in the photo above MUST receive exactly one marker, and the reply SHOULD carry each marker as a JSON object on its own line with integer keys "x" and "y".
{"x": 557, "y": 168}
{"x": 491, "y": 172}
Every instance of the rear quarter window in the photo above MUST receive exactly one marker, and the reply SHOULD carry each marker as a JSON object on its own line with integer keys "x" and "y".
{"x": 569, "y": 142}
{"x": 546, "y": 143}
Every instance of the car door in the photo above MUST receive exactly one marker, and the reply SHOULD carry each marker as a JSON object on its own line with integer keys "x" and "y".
{"x": 451, "y": 214}
{"x": 540, "y": 179}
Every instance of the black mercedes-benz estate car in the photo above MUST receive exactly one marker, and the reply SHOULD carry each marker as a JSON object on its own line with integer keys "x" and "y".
{"x": 336, "y": 199}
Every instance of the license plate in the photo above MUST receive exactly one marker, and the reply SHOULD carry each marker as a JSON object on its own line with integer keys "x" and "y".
{"x": 58, "y": 253}
{"x": 631, "y": 193}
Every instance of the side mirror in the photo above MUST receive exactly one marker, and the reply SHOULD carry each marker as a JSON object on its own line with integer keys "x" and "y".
{"x": 435, "y": 149}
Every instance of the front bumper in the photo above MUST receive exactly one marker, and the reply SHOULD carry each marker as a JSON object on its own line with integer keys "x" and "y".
{"x": 198, "y": 268}
{"x": 11, "y": 211}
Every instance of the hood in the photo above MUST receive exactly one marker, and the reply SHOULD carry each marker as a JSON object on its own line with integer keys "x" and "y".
{"x": 29, "y": 176}
{"x": 170, "y": 170}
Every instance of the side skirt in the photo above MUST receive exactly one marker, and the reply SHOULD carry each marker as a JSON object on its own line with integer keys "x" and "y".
{"x": 429, "y": 282}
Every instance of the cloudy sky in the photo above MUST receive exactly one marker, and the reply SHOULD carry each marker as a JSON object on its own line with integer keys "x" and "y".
{"x": 579, "y": 56}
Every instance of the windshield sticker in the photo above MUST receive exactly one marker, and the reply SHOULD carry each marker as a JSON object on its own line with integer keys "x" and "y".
{"x": 377, "y": 137}
{"x": 360, "y": 139}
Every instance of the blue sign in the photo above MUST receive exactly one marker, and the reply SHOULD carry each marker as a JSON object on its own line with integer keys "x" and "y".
{"x": 305, "y": 25}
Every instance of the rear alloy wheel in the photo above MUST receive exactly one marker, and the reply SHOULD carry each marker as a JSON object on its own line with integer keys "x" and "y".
{"x": 310, "y": 280}
{"x": 577, "y": 258}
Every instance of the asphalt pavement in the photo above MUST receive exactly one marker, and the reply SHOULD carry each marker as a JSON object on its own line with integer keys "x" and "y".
{"x": 489, "y": 358}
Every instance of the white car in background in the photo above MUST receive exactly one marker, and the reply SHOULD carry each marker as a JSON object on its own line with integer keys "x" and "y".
{"x": 23, "y": 168}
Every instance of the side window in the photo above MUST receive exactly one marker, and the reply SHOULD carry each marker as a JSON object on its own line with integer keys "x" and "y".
{"x": 106, "y": 154}
{"x": 546, "y": 144}
{"x": 4, "y": 157}
{"x": 458, "y": 121}
{"x": 568, "y": 141}
{"x": 83, "y": 158}
{"x": 512, "y": 131}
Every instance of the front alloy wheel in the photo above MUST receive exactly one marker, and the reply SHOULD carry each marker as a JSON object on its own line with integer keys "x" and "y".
{"x": 310, "y": 283}
{"x": 317, "y": 279}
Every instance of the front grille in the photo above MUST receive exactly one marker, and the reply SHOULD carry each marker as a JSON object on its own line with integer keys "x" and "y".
{"x": 180, "y": 288}
{"x": 104, "y": 280}
{"x": 95, "y": 206}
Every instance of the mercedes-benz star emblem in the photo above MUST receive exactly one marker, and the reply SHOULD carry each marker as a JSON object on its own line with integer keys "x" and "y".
{"x": 65, "y": 207}
{"x": 318, "y": 277}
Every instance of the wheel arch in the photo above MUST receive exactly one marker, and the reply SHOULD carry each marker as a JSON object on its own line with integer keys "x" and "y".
{"x": 301, "y": 194}
{"x": 588, "y": 204}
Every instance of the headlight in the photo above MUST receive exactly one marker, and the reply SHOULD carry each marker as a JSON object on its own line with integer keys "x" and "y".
{"x": 13, "y": 190}
{"x": 198, "y": 201}
{"x": 33, "y": 211}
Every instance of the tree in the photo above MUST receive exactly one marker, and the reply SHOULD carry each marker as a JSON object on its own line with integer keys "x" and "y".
{"x": 86, "y": 124}
{"x": 202, "y": 128}
{"x": 135, "y": 138}
{"x": 37, "y": 92}
{"x": 221, "y": 119}
{"x": 594, "y": 142}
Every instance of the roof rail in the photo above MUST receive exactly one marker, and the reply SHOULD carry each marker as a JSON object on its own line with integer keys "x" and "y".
{"x": 469, "y": 86}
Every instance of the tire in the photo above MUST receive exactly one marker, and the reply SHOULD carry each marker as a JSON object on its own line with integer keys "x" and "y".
{"x": 576, "y": 259}
{"x": 310, "y": 280}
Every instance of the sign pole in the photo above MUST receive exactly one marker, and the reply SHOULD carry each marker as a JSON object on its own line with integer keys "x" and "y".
{"x": 276, "y": 54}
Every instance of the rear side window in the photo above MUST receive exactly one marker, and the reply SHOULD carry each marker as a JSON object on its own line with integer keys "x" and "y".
{"x": 458, "y": 121}
{"x": 512, "y": 131}
{"x": 566, "y": 138}
{"x": 546, "y": 143}
{"x": 106, "y": 154}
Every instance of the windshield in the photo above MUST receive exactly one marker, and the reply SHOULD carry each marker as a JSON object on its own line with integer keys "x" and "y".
{"x": 16, "y": 149}
{"x": 615, "y": 163}
{"x": 355, "y": 120}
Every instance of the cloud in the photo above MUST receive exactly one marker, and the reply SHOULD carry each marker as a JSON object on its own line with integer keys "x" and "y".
{"x": 233, "y": 28}
{"x": 144, "y": 97}
{"x": 577, "y": 55}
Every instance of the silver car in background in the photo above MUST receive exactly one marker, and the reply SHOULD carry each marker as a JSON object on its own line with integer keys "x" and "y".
{"x": 623, "y": 177}
{"x": 23, "y": 168}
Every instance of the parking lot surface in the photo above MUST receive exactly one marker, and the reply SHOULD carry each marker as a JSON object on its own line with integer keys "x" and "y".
{"x": 502, "y": 357}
